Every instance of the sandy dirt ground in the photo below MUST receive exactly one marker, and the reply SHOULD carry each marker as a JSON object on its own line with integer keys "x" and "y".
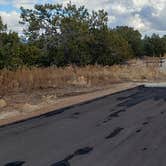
{"x": 17, "y": 107}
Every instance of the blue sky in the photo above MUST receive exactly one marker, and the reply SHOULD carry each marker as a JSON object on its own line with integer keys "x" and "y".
{"x": 14, "y": 5}
{"x": 148, "y": 16}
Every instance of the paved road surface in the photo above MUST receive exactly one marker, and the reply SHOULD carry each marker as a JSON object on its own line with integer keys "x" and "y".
{"x": 124, "y": 129}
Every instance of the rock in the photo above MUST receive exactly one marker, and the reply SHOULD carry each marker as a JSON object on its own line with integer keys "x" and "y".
{"x": 8, "y": 114}
{"x": 49, "y": 98}
{"x": 79, "y": 81}
{"x": 29, "y": 108}
{"x": 16, "y": 84}
{"x": 2, "y": 103}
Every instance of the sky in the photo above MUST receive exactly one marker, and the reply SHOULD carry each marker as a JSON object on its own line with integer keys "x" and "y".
{"x": 147, "y": 16}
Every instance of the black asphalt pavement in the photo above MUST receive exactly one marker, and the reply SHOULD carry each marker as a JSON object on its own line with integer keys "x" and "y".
{"x": 123, "y": 129}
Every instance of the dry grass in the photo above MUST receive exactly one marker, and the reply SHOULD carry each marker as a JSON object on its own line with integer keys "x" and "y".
{"x": 42, "y": 78}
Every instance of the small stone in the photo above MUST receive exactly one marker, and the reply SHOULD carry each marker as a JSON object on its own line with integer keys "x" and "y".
{"x": 29, "y": 108}
{"x": 2, "y": 103}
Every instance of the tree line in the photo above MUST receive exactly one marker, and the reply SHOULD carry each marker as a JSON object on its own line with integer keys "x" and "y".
{"x": 69, "y": 35}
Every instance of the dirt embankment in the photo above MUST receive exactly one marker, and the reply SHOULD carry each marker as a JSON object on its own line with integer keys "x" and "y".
{"x": 22, "y": 106}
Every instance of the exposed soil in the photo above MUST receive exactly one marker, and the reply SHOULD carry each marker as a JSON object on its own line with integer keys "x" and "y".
{"x": 24, "y": 105}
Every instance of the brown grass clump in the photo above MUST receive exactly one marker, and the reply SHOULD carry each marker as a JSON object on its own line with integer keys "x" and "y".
{"x": 26, "y": 79}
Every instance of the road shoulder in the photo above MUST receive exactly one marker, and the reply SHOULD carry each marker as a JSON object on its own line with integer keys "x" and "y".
{"x": 64, "y": 102}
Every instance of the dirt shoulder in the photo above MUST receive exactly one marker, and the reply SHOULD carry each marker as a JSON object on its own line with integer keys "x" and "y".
{"x": 21, "y": 107}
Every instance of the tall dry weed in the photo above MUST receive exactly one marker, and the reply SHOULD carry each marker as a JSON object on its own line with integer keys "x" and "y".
{"x": 26, "y": 79}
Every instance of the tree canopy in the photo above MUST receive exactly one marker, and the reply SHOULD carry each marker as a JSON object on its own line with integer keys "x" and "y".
{"x": 69, "y": 35}
{"x": 3, "y": 27}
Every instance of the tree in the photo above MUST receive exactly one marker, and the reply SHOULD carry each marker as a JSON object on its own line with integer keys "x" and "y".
{"x": 155, "y": 45}
{"x": 108, "y": 47}
{"x": 70, "y": 35}
{"x": 63, "y": 32}
{"x": 98, "y": 20}
{"x": 3, "y": 27}
{"x": 133, "y": 37}
{"x": 148, "y": 46}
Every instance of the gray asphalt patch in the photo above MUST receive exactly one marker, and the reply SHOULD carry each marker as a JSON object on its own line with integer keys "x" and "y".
{"x": 114, "y": 133}
{"x": 15, "y": 163}
{"x": 126, "y": 128}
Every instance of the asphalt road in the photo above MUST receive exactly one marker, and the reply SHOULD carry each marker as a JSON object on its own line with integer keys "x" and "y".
{"x": 123, "y": 129}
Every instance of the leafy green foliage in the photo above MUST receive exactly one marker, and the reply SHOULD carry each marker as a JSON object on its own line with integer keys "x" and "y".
{"x": 155, "y": 45}
{"x": 133, "y": 37}
{"x": 2, "y": 26}
{"x": 70, "y": 35}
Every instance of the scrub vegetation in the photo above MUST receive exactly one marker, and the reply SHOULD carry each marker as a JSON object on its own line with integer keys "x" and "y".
{"x": 57, "y": 35}
{"x": 71, "y": 46}
{"x": 32, "y": 79}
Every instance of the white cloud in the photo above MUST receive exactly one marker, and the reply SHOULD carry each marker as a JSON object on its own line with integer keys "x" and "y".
{"x": 4, "y": 2}
{"x": 28, "y": 4}
{"x": 24, "y": 3}
{"x": 12, "y": 20}
{"x": 140, "y": 3}
{"x": 138, "y": 23}
{"x": 144, "y": 15}
{"x": 118, "y": 9}
{"x": 111, "y": 19}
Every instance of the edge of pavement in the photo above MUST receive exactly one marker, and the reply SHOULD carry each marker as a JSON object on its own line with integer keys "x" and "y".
{"x": 68, "y": 102}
